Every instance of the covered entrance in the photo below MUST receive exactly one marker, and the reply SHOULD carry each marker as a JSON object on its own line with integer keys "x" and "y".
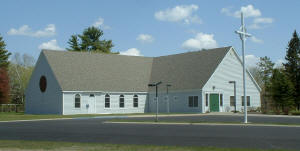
{"x": 214, "y": 102}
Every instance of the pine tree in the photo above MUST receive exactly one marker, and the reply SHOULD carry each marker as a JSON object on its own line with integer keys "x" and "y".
{"x": 282, "y": 91}
{"x": 4, "y": 54}
{"x": 90, "y": 41}
{"x": 292, "y": 66}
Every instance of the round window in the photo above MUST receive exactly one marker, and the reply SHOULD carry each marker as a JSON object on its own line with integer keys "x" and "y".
{"x": 43, "y": 83}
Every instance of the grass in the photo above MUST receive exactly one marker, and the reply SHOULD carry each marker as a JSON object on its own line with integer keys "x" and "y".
{"x": 16, "y": 145}
{"x": 10, "y": 116}
{"x": 199, "y": 122}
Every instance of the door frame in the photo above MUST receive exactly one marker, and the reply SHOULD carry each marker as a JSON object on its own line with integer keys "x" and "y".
{"x": 218, "y": 100}
{"x": 212, "y": 92}
{"x": 94, "y": 102}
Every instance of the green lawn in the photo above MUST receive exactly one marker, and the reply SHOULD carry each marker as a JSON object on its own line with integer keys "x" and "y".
{"x": 68, "y": 146}
{"x": 6, "y": 116}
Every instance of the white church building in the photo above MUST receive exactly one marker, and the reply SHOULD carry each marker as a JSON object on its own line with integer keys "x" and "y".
{"x": 93, "y": 83}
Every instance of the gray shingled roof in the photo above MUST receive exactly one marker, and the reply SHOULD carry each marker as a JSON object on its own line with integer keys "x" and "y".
{"x": 187, "y": 71}
{"x": 80, "y": 71}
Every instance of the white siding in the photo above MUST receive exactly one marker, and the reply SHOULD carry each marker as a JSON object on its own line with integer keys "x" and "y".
{"x": 49, "y": 102}
{"x": 230, "y": 69}
{"x": 180, "y": 104}
{"x": 69, "y": 106}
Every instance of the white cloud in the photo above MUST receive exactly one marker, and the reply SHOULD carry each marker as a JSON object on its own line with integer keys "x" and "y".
{"x": 180, "y": 13}
{"x": 51, "y": 45}
{"x": 145, "y": 38}
{"x": 226, "y": 11}
{"x": 100, "y": 23}
{"x": 248, "y": 11}
{"x": 200, "y": 41}
{"x": 131, "y": 52}
{"x": 25, "y": 30}
{"x": 260, "y": 22}
{"x": 251, "y": 60}
{"x": 256, "y": 40}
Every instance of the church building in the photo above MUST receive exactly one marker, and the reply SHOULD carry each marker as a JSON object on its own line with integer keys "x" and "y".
{"x": 67, "y": 83}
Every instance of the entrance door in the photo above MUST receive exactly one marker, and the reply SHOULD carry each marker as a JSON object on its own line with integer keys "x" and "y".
{"x": 214, "y": 102}
{"x": 91, "y": 104}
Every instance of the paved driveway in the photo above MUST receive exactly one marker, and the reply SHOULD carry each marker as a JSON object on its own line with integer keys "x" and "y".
{"x": 94, "y": 130}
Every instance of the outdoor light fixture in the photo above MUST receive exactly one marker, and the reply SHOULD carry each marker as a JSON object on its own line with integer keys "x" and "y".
{"x": 168, "y": 104}
{"x": 234, "y": 87}
{"x": 155, "y": 85}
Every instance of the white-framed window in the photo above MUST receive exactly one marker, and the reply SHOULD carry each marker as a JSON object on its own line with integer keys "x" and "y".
{"x": 232, "y": 101}
{"x": 248, "y": 100}
{"x": 77, "y": 101}
{"x": 107, "y": 101}
{"x": 135, "y": 101}
{"x": 121, "y": 101}
{"x": 193, "y": 101}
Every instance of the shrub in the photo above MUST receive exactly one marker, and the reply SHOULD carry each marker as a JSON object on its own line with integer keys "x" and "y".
{"x": 295, "y": 112}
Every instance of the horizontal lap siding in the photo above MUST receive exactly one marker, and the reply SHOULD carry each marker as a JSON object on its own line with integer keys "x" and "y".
{"x": 230, "y": 69}
{"x": 69, "y": 107}
{"x": 48, "y": 102}
{"x": 180, "y": 104}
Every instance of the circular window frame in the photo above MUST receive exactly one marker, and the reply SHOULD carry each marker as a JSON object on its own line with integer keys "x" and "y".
{"x": 43, "y": 83}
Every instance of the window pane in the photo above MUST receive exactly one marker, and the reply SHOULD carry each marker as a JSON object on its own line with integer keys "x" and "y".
{"x": 107, "y": 101}
{"x": 248, "y": 100}
{"x": 77, "y": 101}
{"x": 232, "y": 103}
{"x": 190, "y": 101}
{"x": 242, "y": 101}
{"x": 121, "y": 103}
{"x": 195, "y": 101}
{"x": 135, "y": 101}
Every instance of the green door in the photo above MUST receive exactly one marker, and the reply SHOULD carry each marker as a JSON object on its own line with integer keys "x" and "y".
{"x": 214, "y": 102}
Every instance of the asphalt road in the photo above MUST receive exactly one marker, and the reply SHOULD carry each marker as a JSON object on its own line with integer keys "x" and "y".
{"x": 94, "y": 130}
{"x": 235, "y": 118}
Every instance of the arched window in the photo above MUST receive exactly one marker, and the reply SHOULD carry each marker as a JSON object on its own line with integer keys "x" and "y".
{"x": 77, "y": 101}
{"x": 122, "y": 104}
{"x": 135, "y": 101}
{"x": 107, "y": 101}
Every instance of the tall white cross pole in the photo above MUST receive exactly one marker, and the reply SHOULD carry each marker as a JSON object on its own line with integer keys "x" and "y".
{"x": 243, "y": 34}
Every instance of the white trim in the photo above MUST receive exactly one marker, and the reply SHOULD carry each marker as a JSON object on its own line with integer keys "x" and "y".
{"x": 101, "y": 92}
{"x": 63, "y": 103}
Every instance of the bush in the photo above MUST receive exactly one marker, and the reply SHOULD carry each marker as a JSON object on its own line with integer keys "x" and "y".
{"x": 295, "y": 112}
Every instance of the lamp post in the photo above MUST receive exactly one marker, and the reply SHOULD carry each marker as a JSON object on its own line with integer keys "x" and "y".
{"x": 243, "y": 34}
{"x": 155, "y": 85}
{"x": 234, "y": 87}
{"x": 168, "y": 104}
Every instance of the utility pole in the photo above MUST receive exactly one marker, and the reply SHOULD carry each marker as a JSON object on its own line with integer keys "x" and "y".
{"x": 243, "y": 34}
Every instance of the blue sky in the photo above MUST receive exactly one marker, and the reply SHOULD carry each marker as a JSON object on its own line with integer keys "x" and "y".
{"x": 152, "y": 28}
